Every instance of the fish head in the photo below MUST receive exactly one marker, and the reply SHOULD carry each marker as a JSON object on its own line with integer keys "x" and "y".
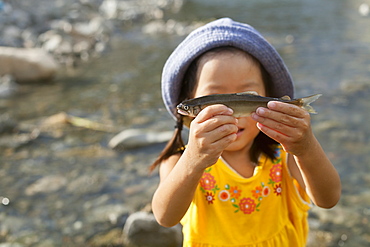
{"x": 187, "y": 110}
{"x": 184, "y": 109}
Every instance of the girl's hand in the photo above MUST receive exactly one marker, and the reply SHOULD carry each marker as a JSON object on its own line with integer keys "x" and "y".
{"x": 211, "y": 132}
{"x": 287, "y": 124}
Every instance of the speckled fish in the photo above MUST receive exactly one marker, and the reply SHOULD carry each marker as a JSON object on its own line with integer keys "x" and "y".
{"x": 243, "y": 104}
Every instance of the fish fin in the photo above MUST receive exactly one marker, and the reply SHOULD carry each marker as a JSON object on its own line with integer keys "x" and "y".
{"x": 285, "y": 97}
{"x": 307, "y": 101}
{"x": 248, "y": 92}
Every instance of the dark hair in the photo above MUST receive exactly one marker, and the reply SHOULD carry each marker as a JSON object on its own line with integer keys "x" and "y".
{"x": 261, "y": 144}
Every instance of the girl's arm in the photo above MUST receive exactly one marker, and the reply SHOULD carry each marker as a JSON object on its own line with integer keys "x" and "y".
{"x": 210, "y": 133}
{"x": 290, "y": 126}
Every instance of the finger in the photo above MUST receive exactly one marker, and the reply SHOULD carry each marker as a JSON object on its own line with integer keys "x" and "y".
{"x": 288, "y": 109}
{"x": 213, "y": 110}
{"x": 263, "y": 114}
{"x": 273, "y": 134}
{"x": 224, "y": 131}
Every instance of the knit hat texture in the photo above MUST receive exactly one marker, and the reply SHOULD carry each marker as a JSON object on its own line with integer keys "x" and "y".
{"x": 223, "y": 32}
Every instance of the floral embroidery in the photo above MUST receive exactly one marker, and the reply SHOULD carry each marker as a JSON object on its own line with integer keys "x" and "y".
{"x": 235, "y": 192}
{"x": 247, "y": 205}
{"x": 257, "y": 192}
{"x": 251, "y": 200}
{"x": 210, "y": 197}
{"x": 224, "y": 195}
{"x": 278, "y": 189}
{"x": 266, "y": 191}
{"x": 276, "y": 176}
{"x": 276, "y": 173}
{"x": 207, "y": 181}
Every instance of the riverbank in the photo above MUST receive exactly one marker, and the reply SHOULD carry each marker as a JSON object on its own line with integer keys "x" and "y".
{"x": 61, "y": 184}
{"x": 74, "y": 30}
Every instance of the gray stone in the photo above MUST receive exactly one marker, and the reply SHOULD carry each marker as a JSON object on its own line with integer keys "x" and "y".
{"x": 27, "y": 64}
{"x": 46, "y": 184}
{"x": 142, "y": 230}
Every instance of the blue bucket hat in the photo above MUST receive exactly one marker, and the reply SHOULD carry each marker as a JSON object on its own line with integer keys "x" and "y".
{"x": 223, "y": 32}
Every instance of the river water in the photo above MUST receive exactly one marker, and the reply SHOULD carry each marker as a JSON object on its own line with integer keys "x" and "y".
{"x": 67, "y": 185}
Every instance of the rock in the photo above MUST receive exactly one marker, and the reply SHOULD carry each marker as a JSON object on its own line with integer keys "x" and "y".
{"x": 134, "y": 138}
{"x": 85, "y": 184}
{"x": 142, "y": 230}
{"x": 111, "y": 238}
{"x": 17, "y": 140}
{"x": 46, "y": 184}
{"x": 114, "y": 214}
{"x": 27, "y": 64}
{"x": 11, "y": 245}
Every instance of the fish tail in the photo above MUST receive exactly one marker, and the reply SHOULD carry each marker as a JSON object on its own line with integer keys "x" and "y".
{"x": 307, "y": 101}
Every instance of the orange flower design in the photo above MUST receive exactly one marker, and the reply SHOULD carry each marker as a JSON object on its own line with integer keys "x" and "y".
{"x": 257, "y": 192}
{"x": 207, "y": 181}
{"x": 276, "y": 173}
{"x": 247, "y": 205}
{"x": 235, "y": 192}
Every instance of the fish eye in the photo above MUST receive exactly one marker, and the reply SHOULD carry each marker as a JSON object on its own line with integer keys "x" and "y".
{"x": 186, "y": 107}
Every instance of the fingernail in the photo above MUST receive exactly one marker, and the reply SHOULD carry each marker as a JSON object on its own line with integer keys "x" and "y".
{"x": 260, "y": 111}
{"x": 254, "y": 116}
{"x": 271, "y": 104}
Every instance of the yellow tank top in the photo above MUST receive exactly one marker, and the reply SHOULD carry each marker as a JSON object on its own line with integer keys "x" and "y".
{"x": 228, "y": 210}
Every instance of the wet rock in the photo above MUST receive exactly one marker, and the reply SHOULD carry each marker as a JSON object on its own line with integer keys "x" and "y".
{"x": 46, "y": 184}
{"x": 27, "y": 64}
{"x": 17, "y": 140}
{"x": 87, "y": 184}
{"x": 134, "y": 138}
{"x": 111, "y": 238}
{"x": 349, "y": 87}
{"x": 114, "y": 214}
{"x": 142, "y": 230}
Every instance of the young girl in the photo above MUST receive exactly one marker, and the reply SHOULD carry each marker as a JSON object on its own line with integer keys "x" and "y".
{"x": 244, "y": 181}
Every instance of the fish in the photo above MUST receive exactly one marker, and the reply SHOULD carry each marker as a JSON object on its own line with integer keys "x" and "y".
{"x": 242, "y": 104}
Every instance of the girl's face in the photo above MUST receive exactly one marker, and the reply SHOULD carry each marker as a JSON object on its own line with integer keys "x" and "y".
{"x": 231, "y": 72}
